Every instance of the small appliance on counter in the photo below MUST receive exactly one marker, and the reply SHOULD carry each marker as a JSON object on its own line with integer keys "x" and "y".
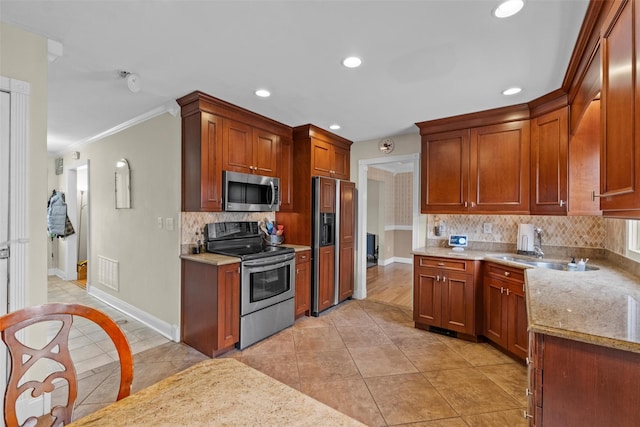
{"x": 525, "y": 242}
{"x": 458, "y": 242}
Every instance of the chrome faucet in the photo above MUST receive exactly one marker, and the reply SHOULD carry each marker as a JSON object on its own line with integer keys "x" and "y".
{"x": 537, "y": 247}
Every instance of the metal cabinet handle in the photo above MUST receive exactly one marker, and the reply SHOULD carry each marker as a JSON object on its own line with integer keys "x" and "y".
{"x": 528, "y": 392}
{"x": 473, "y": 204}
{"x": 444, "y": 279}
{"x": 297, "y": 271}
{"x": 527, "y": 415}
{"x": 437, "y": 278}
{"x": 508, "y": 291}
{"x": 562, "y": 203}
{"x": 528, "y": 361}
{"x": 466, "y": 204}
{"x": 501, "y": 290}
{"x": 441, "y": 264}
{"x": 506, "y": 273}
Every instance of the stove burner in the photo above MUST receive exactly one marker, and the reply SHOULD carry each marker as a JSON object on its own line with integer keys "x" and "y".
{"x": 241, "y": 240}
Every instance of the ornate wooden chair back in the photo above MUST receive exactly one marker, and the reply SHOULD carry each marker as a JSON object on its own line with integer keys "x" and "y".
{"x": 23, "y": 358}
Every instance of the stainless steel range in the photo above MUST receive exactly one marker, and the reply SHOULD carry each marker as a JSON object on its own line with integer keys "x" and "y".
{"x": 267, "y": 278}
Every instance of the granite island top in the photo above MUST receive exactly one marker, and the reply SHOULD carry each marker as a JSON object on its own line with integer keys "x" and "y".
{"x": 599, "y": 307}
{"x": 217, "y": 392}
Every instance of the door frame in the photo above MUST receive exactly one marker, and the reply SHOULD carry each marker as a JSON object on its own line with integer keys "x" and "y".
{"x": 418, "y": 235}
{"x": 18, "y": 238}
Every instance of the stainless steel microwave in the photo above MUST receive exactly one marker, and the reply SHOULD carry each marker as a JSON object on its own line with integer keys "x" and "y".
{"x": 242, "y": 192}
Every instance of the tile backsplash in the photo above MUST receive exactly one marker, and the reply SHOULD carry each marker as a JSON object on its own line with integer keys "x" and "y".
{"x": 574, "y": 231}
{"x": 192, "y": 222}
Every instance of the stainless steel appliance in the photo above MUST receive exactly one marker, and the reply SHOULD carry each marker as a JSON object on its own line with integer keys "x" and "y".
{"x": 267, "y": 278}
{"x": 327, "y": 235}
{"x": 243, "y": 192}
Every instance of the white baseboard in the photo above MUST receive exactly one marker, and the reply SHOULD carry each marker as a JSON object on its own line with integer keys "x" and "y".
{"x": 168, "y": 330}
{"x": 56, "y": 272}
{"x": 395, "y": 259}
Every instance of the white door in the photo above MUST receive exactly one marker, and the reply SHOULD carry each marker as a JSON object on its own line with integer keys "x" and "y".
{"x": 4, "y": 215}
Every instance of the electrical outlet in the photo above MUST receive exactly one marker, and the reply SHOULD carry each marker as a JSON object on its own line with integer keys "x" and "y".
{"x": 169, "y": 222}
{"x": 487, "y": 227}
{"x": 160, "y": 222}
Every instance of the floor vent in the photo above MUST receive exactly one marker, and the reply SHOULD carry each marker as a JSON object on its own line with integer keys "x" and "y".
{"x": 108, "y": 272}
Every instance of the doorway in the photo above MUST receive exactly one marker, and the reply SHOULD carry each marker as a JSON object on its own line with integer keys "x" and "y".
{"x": 417, "y": 228}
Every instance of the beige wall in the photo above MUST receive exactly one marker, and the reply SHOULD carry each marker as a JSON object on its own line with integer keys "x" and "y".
{"x": 23, "y": 56}
{"x": 148, "y": 256}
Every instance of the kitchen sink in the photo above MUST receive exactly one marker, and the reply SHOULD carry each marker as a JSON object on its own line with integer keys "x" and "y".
{"x": 544, "y": 264}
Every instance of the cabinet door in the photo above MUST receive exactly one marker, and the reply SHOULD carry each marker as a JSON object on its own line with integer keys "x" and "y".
{"x": 340, "y": 164}
{"x": 265, "y": 153}
{"x": 210, "y": 163}
{"x": 326, "y": 277}
{"x": 495, "y": 313}
{"x": 518, "y": 338}
{"x": 549, "y": 163}
{"x": 620, "y": 148}
{"x": 445, "y": 172}
{"x": 228, "y": 305}
{"x": 237, "y": 147}
{"x": 321, "y": 158}
{"x": 201, "y": 163}
{"x": 427, "y": 299}
{"x": 458, "y": 296}
{"x": 327, "y": 195}
{"x": 499, "y": 165}
{"x": 303, "y": 283}
{"x": 285, "y": 172}
{"x": 347, "y": 239}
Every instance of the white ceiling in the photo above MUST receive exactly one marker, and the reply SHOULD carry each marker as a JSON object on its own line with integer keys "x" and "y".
{"x": 422, "y": 60}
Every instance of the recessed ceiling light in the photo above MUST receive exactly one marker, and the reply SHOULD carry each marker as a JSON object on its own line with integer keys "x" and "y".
{"x": 262, "y": 93}
{"x": 352, "y": 62}
{"x": 508, "y": 8}
{"x": 334, "y": 127}
{"x": 512, "y": 91}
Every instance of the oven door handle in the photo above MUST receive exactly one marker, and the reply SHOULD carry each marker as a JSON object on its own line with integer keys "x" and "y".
{"x": 267, "y": 263}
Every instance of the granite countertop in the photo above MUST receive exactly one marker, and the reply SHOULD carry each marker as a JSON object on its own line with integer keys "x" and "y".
{"x": 217, "y": 259}
{"x": 209, "y": 258}
{"x": 599, "y": 307}
{"x": 218, "y": 392}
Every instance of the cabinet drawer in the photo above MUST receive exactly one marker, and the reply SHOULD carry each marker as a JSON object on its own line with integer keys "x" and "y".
{"x": 445, "y": 263}
{"x": 504, "y": 272}
{"x": 304, "y": 256}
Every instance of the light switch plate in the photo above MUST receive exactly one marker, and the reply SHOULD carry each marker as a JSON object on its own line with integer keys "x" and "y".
{"x": 169, "y": 222}
{"x": 160, "y": 222}
{"x": 487, "y": 227}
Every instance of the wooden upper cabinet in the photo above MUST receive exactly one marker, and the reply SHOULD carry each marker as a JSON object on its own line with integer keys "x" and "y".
{"x": 620, "y": 148}
{"x": 549, "y": 163}
{"x": 265, "y": 153}
{"x": 218, "y": 136}
{"x": 237, "y": 149}
{"x": 330, "y": 154}
{"x": 201, "y": 162}
{"x": 476, "y": 169}
{"x": 285, "y": 173}
{"x": 499, "y": 178}
{"x": 249, "y": 150}
{"x": 445, "y": 172}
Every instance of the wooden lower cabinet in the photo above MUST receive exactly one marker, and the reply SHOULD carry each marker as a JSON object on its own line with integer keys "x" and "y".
{"x": 505, "y": 310}
{"x": 303, "y": 283}
{"x": 210, "y": 306}
{"x": 573, "y": 383}
{"x": 444, "y": 294}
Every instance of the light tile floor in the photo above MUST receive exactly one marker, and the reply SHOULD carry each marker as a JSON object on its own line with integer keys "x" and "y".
{"x": 90, "y": 346}
{"x": 364, "y": 359}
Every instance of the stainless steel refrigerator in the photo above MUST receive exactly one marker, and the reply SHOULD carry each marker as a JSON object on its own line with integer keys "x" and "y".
{"x": 332, "y": 243}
